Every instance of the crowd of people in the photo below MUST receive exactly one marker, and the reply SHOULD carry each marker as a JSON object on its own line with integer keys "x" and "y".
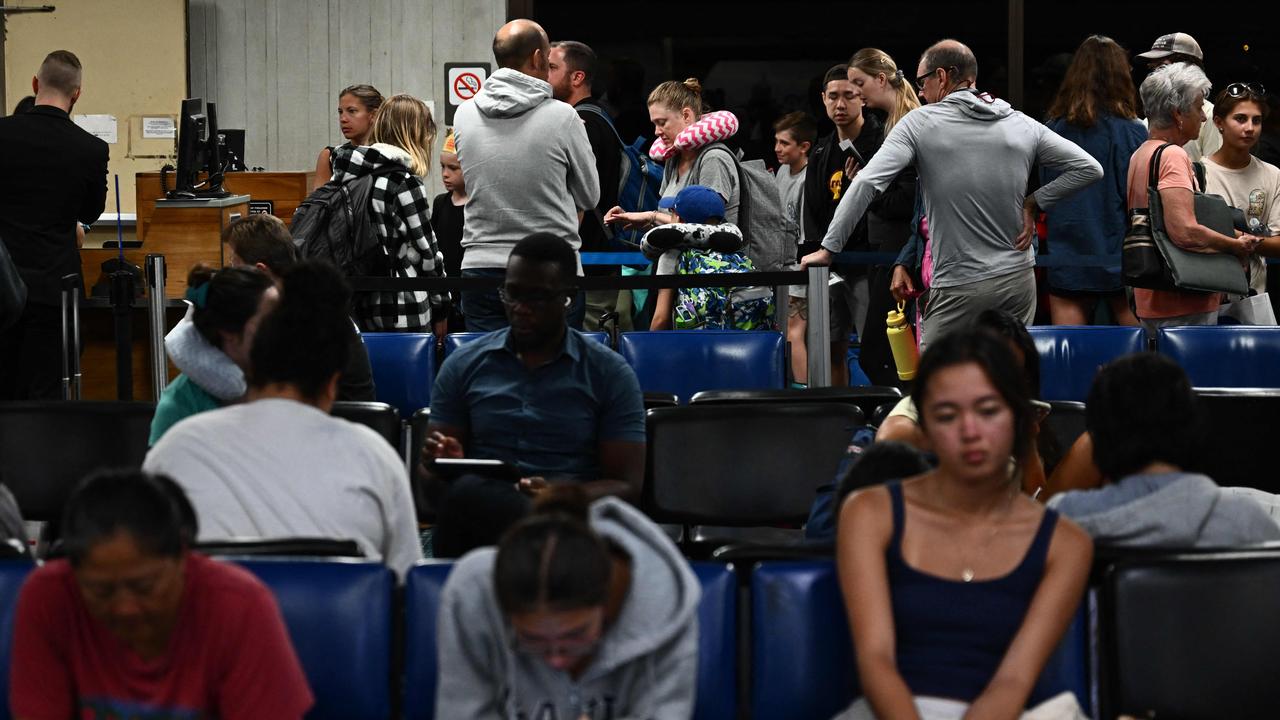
{"x": 961, "y": 563}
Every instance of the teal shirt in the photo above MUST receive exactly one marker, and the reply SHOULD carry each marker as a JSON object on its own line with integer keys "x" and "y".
{"x": 181, "y": 399}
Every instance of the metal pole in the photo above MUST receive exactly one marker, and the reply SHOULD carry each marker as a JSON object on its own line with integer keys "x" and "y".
{"x": 818, "y": 333}
{"x": 1017, "y": 41}
{"x": 76, "y": 377}
{"x": 155, "y": 310}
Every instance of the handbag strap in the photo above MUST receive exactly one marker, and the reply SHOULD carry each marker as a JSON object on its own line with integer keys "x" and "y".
{"x": 1154, "y": 167}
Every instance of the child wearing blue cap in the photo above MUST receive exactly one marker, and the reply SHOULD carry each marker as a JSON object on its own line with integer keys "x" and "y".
{"x": 697, "y": 241}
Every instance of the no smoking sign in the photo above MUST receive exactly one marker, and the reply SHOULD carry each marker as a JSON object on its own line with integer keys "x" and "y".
{"x": 463, "y": 82}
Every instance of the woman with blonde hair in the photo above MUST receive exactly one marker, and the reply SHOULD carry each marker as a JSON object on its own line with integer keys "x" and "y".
{"x": 883, "y": 85}
{"x": 689, "y": 143}
{"x": 398, "y": 159}
{"x": 884, "y": 88}
{"x": 357, "y": 104}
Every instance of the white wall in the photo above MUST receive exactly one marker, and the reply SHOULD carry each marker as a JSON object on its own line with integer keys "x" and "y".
{"x": 275, "y": 66}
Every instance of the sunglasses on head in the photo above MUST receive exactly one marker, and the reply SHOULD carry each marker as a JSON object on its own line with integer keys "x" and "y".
{"x": 1239, "y": 90}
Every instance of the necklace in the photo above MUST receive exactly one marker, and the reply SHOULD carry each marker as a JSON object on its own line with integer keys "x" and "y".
{"x": 967, "y": 572}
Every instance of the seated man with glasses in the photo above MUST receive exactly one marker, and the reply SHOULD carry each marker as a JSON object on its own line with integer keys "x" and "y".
{"x": 538, "y": 396}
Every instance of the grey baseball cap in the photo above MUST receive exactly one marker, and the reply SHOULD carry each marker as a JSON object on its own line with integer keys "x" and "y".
{"x": 1173, "y": 43}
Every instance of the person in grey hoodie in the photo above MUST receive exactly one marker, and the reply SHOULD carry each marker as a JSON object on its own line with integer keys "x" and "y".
{"x": 1141, "y": 415}
{"x": 527, "y": 165}
{"x": 580, "y": 612}
{"x": 973, "y": 154}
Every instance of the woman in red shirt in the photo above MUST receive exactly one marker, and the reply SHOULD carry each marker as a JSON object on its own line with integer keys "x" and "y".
{"x": 134, "y": 624}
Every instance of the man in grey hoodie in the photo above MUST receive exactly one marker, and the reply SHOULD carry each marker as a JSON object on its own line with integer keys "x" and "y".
{"x": 640, "y": 662}
{"x": 973, "y": 154}
{"x": 527, "y": 165}
{"x": 1142, "y": 419}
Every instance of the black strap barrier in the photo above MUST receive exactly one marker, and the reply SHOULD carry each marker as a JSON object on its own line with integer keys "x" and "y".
{"x": 872, "y": 258}
{"x": 625, "y": 282}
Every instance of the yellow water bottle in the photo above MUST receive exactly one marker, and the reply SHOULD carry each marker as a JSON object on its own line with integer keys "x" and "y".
{"x": 903, "y": 343}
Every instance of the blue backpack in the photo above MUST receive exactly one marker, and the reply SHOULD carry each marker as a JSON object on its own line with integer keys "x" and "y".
{"x": 638, "y": 183}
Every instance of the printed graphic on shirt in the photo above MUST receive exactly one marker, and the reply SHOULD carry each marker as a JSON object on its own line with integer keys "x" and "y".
{"x": 836, "y": 184}
{"x": 111, "y": 709}
{"x": 1257, "y": 204}
{"x": 595, "y": 709}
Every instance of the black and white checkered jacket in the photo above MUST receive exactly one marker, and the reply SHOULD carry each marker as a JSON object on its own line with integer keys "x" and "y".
{"x": 401, "y": 215}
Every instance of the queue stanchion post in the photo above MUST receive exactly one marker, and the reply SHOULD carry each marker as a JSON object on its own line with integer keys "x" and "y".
{"x": 155, "y": 266}
{"x": 818, "y": 331}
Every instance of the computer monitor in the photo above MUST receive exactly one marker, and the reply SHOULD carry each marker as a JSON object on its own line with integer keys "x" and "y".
{"x": 198, "y": 150}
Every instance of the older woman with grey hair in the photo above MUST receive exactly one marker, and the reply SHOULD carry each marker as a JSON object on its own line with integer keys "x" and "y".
{"x": 1173, "y": 98}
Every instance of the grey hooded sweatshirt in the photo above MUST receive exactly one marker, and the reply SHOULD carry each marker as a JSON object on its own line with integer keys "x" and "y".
{"x": 527, "y": 165}
{"x": 645, "y": 668}
{"x": 973, "y": 154}
{"x": 1172, "y": 510}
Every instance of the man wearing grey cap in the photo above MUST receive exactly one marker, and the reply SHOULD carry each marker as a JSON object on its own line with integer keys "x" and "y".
{"x": 1181, "y": 47}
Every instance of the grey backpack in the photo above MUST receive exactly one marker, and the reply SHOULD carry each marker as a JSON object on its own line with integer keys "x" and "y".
{"x": 759, "y": 211}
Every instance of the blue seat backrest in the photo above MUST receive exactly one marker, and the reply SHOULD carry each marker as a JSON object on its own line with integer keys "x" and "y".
{"x": 717, "y": 659}
{"x": 685, "y": 362}
{"x": 12, "y": 574}
{"x": 1070, "y": 356}
{"x": 802, "y": 663}
{"x": 1240, "y": 356}
{"x": 340, "y": 621}
{"x": 404, "y": 368}
{"x": 422, "y": 589}
{"x": 717, "y": 642}
{"x": 453, "y": 341}
{"x": 802, "y": 660}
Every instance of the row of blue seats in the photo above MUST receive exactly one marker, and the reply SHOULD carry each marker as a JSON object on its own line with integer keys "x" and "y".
{"x": 686, "y": 362}
{"x": 1229, "y": 356}
{"x": 341, "y": 619}
{"x": 677, "y": 362}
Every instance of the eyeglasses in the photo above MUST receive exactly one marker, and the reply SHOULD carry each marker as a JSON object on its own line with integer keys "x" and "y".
{"x": 920, "y": 81}
{"x": 1239, "y": 90}
{"x": 531, "y": 298}
{"x": 567, "y": 647}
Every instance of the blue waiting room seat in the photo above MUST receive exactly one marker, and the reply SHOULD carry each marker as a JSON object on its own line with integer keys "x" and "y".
{"x": 12, "y": 574}
{"x": 685, "y": 362}
{"x": 717, "y": 620}
{"x": 453, "y": 341}
{"x": 1070, "y": 356}
{"x": 404, "y": 368}
{"x": 802, "y": 659}
{"x": 1234, "y": 356}
{"x": 339, "y": 616}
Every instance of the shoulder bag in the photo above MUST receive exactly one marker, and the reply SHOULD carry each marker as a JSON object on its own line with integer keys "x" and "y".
{"x": 1149, "y": 259}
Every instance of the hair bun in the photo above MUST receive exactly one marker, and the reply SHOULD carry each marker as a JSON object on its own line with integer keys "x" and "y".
{"x": 694, "y": 84}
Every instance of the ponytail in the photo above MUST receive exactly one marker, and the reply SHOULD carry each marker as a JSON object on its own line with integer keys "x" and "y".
{"x": 875, "y": 62}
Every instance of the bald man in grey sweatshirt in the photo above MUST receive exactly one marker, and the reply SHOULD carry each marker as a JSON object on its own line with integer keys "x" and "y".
{"x": 526, "y": 162}
{"x": 973, "y": 154}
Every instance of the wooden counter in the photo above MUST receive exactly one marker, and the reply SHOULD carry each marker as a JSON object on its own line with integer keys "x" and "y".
{"x": 284, "y": 190}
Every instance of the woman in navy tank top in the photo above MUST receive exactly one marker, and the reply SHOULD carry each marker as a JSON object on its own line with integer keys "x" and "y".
{"x": 958, "y": 586}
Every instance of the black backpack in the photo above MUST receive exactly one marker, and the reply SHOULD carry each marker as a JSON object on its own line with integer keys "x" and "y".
{"x": 333, "y": 224}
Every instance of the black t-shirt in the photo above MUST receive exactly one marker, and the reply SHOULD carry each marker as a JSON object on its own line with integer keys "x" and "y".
{"x": 446, "y": 223}
{"x": 604, "y": 143}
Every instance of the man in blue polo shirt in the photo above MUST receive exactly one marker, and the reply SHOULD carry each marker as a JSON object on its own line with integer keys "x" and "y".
{"x": 537, "y": 395}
